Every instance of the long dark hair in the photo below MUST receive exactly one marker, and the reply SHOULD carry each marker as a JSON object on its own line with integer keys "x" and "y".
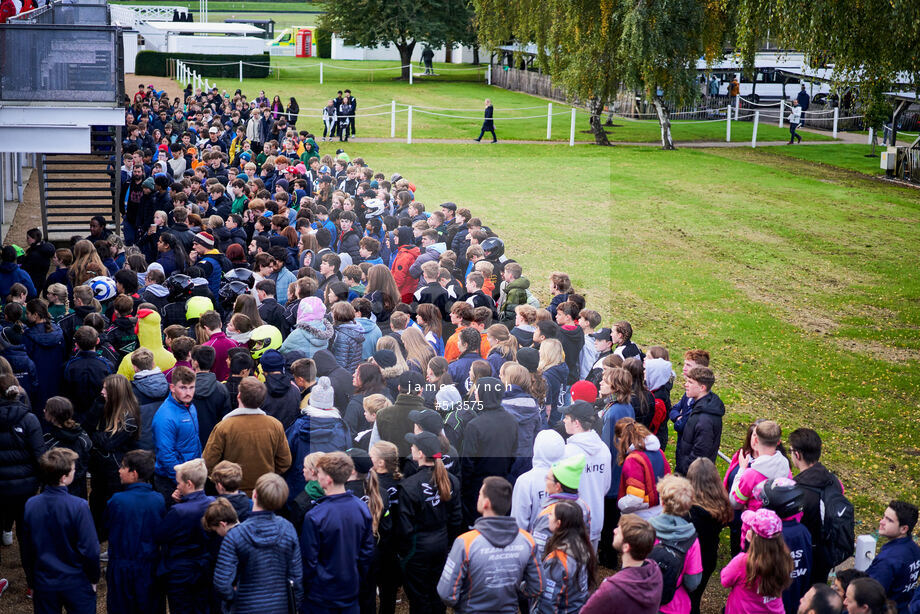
{"x": 39, "y": 308}
{"x": 571, "y": 537}
{"x": 120, "y": 404}
{"x": 644, "y": 408}
{"x": 371, "y": 379}
{"x": 179, "y": 255}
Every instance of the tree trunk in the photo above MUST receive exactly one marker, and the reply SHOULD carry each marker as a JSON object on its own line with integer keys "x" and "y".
{"x": 664, "y": 119}
{"x": 448, "y": 52}
{"x": 405, "y": 58}
{"x": 476, "y": 55}
{"x": 596, "y": 108}
{"x": 893, "y": 137}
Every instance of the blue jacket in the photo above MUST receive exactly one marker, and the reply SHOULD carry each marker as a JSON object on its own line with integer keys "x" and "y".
{"x": 371, "y": 335}
{"x": 10, "y": 274}
{"x": 526, "y": 413}
{"x": 893, "y": 568}
{"x": 256, "y": 561}
{"x": 46, "y": 348}
{"x": 175, "y": 436}
{"x": 282, "y": 279}
{"x": 23, "y": 367}
{"x": 336, "y": 547}
{"x": 556, "y": 378}
{"x": 60, "y": 548}
{"x": 798, "y": 539}
{"x": 183, "y": 541}
{"x": 131, "y": 519}
{"x": 612, "y": 415}
{"x": 310, "y": 434}
{"x": 460, "y": 371}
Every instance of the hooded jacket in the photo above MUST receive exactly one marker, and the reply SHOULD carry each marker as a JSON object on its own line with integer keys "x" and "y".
{"x": 556, "y": 378}
{"x": 82, "y": 380}
{"x": 566, "y": 584}
{"x": 150, "y": 386}
{"x": 271, "y": 312}
{"x": 309, "y": 338}
{"x": 815, "y": 480}
{"x": 761, "y": 469}
{"x": 348, "y": 345}
{"x": 459, "y": 370}
{"x": 183, "y": 543}
{"x": 595, "y": 480}
{"x": 21, "y": 445}
{"x": 371, "y": 335}
{"x": 150, "y": 337}
{"x": 405, "y": 258}
{"x": 432, "y": 254}
{"x": 222, "y": 345}
{"x": 46, "y": 349}
{"x": 23, "y": 366}
{"x": 341, "y": 379}
{"x": 212, "y": 402}
{"x": 10, "y": 274}
{"x": 336, "y": 545}
{"x": 175, "y": 436}
{"x": 674, "y": 529}
{"x": 702, "y": 432}
{"x": 156, "y": 294}
{"x": 515, "y": 293}
{"x": 525, "y": 411}
{"x": 316, "y": 430}
{"x": 490, "y": 442}
{"x": 529, "y": 493}
{"x": 487, "y": 566}
{"x": 634, "y": 590}
{"x": 282, "y": 400}
{"x": 77, "y": 440}
{"x": 37, "y": 261}
{"x": 256, "y": 562}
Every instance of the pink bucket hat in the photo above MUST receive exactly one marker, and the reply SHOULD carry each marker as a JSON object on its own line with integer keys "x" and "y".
{"x": 763, "y": 522}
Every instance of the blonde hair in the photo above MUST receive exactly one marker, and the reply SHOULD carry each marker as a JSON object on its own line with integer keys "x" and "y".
{"x": 485, "y": 267}
{"x": 194, "y": 471}
{"x": 271, "y": 491}
{"x": 502, "y": 340}
{"x": 389, "y": 453}
{"x": 417, "y": 348}
{"x": 311, "y": 459}
{"x": 514, "y": 374}
{"x": 59, "y": 291}
{"x": 551, "y": 354}
{"x": 389, "y": 343}
{"x": 373, "y": 403}
{"x": 528, "y": 312}
{"x": 675, "y": 494}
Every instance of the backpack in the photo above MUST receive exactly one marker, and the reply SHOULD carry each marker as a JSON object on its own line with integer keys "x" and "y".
{"x": 670, "y": 558}
{"x": 838, "y": 523}
{"x": 659, "y": 417}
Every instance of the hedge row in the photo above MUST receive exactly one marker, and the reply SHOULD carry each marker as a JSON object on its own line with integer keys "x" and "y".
{"x": 156, "y": 64}
{"x": 323, "y": 43}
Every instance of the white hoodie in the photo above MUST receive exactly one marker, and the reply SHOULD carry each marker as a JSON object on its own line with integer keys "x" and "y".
{"x": 529, "y": 492}
{"x": 595, "y": 480}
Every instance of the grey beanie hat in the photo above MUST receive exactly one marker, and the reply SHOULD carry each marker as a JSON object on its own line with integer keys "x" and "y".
{"x": 322, "y": 396}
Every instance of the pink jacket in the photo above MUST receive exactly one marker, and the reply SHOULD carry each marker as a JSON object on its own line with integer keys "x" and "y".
{"x": 222, "y": 345}
{"x": 741, "y": 599}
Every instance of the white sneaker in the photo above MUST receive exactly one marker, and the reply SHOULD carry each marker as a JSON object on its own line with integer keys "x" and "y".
{"x": 7, "y": 538}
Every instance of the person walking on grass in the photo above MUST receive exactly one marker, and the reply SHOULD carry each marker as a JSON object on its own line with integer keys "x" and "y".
{"x": 487, "y": 124}
{"x": 795, "y": 120}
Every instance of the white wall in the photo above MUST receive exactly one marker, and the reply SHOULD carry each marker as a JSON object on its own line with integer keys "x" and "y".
{"x": 130, "y": 42}
{"x": 239, "y": 45}
{"x": 341, "y": 51}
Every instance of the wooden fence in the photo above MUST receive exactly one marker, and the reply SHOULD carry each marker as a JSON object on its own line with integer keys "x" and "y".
{"x": 527, "y": 81}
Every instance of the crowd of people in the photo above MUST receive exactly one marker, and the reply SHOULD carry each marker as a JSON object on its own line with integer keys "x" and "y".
{"x": 289, "y": 386}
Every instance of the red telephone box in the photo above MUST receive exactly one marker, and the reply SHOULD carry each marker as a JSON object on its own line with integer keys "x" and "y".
{"x": 304, "y": 43}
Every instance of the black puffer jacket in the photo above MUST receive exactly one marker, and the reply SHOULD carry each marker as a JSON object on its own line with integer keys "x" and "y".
{"x": 282, "y": 400}
{"x": 702, "y": 433}
{"x": 21, "y": 445}
{"x": 340, "y": 378}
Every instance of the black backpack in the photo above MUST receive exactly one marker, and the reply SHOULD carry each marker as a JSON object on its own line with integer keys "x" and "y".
{"x": 838, "y": 524}
{"x": 670, "y": 558}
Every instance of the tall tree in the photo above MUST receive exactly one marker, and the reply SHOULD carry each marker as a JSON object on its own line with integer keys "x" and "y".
{"x": 402, "y": 23}
{"x": 660, "y": 44}
{"x": 576, "y": 44}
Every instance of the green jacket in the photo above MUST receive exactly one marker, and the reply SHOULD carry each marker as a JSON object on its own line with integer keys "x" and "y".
{"x": 516, "y": 294}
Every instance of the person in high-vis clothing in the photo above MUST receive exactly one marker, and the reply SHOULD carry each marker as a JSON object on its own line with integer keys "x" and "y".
{"x": 488, "y": 565}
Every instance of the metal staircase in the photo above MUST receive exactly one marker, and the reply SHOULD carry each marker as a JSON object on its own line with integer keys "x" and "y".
{"x": 75, "y": 187}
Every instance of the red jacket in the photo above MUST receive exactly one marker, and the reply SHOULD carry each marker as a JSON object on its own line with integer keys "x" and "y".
{"x": 407, "y": 284}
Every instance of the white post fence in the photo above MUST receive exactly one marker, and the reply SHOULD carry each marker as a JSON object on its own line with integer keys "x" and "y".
{"x": 782, "y": 109}
{"x": 549, "y": 121}
{"x": 728, "y": 124}
{"x": 489, "y": 74}
{"x": 320, "y": 73}
{"x": 836, "y": 116}
{"x": 756, "y": 122}
{"x": 410, "y": 75}
{"x": 737, "y": 106}
{"x": 393, "y": 119}
{"x": 241, "y": 71}
{"x": 207, "y": 85}
{"x": 409, "y": 130}
{"x": 869, "y": 140}
{"x": 572, "y": 129}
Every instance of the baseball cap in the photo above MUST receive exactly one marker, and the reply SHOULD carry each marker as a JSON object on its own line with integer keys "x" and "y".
{"x": 581, "y": 410}
{"x": 428, "y": 419}
{"x": 427, "y": 442}
{"x": 583, "y": 391}
{"x": 604, "y": 334}
{"x": 410, "y": 381}
{"x": 213, "y": 130}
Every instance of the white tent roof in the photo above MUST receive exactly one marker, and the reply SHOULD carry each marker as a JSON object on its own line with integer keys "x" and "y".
{"x": 179, "y": 27}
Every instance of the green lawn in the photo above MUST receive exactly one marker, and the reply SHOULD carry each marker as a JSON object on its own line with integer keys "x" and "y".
{"x": 800, "y": 279}
{"x": 461, "y": 92}
{"x": 282, "y": 20}
{"x": 852, "y": 157}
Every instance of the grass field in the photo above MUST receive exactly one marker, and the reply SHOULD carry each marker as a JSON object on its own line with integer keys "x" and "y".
{"x": 458, "y": 96}
{"x": 801, "y": 279}
{"x": 852, "y": 157}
